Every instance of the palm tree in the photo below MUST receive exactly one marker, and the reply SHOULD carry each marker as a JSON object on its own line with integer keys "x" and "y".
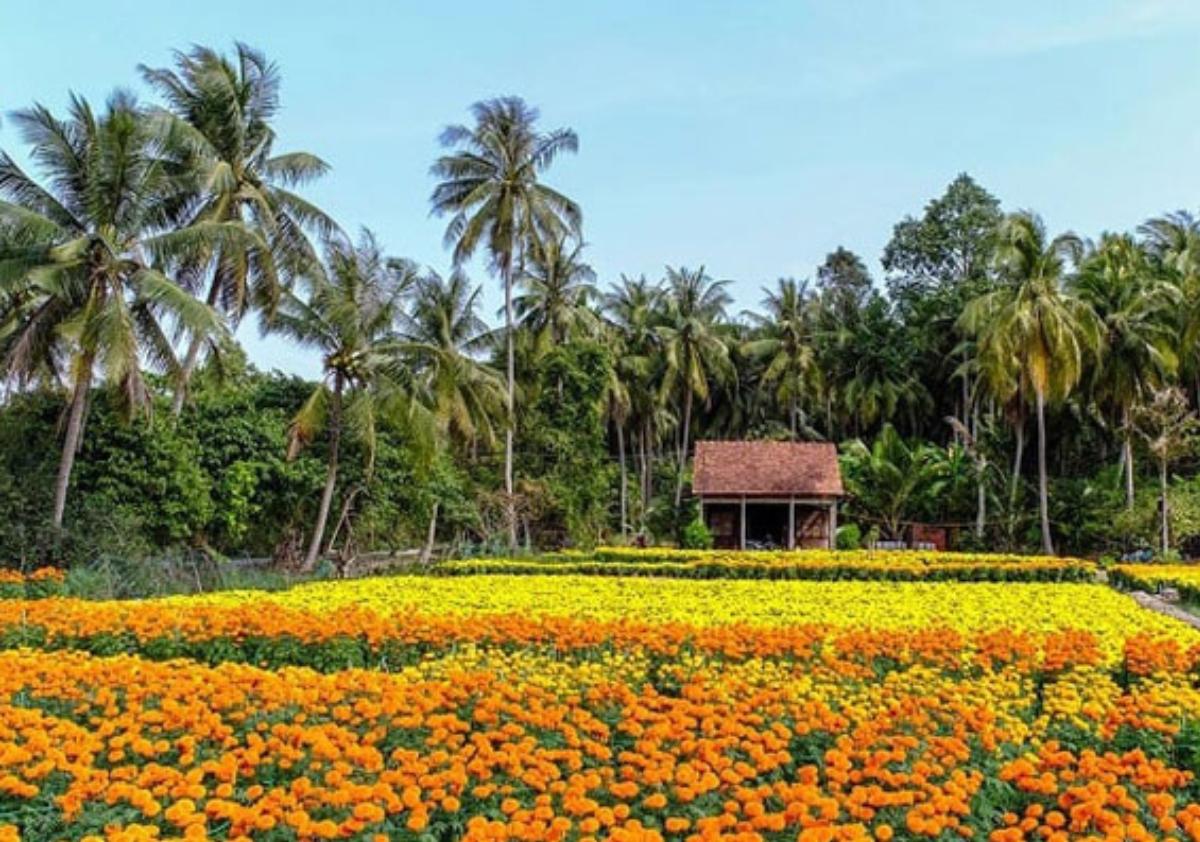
{"x": 1174, "y": 240}
{"x": 350, "y": 316}
{"x": 633, "y": 311}
{"x": 442, "y": 333}
{"x": 1136, "y": 311}
{"x": 878, "y": 375}
{"x": 1173, "y": 243}
{"x": 891, "y": 478}
{"x": 218, "y": 126}
{"x": 1034, "y": 327}
{"x": 619, "y": 405}
{"x": 559, "y": 289}
{"x": 1170, "y": 428}
{"x": 81, "y": 261}
{"x": 785, "y": 344}
{"x": 490, "y": 185}
{"x": 695, "y": 351}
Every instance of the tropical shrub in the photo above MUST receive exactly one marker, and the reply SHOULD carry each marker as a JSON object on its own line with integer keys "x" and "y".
{"x": 696, "y": 536}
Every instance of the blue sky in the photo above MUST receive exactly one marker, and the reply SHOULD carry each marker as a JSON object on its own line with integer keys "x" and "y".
{"x": 751, "y": 137}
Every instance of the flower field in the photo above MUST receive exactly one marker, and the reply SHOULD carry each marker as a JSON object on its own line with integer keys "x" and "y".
{"x": 579, "y": 708}
{"x": 1185, "y": 578}
{"x": 43, "y": 582}
{"x": 819, "y": 565}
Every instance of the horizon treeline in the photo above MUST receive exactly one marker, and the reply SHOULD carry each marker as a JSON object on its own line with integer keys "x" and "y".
{"x": 1032, "y": 389}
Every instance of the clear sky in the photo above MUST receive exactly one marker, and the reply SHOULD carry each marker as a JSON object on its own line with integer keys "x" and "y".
{"x": 751, "y": 137}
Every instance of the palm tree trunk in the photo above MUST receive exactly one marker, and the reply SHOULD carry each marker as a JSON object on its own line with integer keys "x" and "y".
{"x": 966, "y": 403}
{"x": 510, "y": 398}
{"x": 645, "y": 445}
{"x": 71, "y": 439}
{"x": 981, "y": 464}
{"x": 1127, "y": 453}
{"x": 793, "y": 411}
{"x": 981, "y": 502}
{"x": 683, "y": 444}
{"x": 342, "y": 521}
{"x": 1018, "y": 458}
{"x": 335, "y": 440}
{"x": 189, "y": 365}
{"x": 189, "y": 361}
{"x": 1043, "y": 485}
{"x": 1166, "y": 514}
{"x": 624, "y": 480}
{"x": 430, "y": 535}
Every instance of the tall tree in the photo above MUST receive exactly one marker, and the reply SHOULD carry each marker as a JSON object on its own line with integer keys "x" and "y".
{"x": 843, "y": 282}
{"x": 350, "y": 316}
{"x": 935, "y": 264}
{"x": 1035, "y": 326}
{"x": 217, "y": 124}
{"x": 1173, "y": 243}
{"x": 881, "y": 376}
{"x": 491, "y": 186}
{"x": 443, "y": 336}
{"x": 1136, "y": 310}
{"x": 1171, "y": 430}
{"x": 784, "y": 342}
{"x": 632, "y": 308}
{"x": 951, "y": 243}
{"x": 695, "y": 351}
{"x": 81, "y": 261}
{"x": 558, "y": 289}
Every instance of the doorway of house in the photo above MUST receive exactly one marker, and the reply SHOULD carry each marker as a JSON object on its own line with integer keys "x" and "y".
{"x": 766, "y": 526}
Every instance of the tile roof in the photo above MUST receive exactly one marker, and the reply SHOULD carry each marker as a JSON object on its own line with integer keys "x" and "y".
{"x": 766, "y": 468}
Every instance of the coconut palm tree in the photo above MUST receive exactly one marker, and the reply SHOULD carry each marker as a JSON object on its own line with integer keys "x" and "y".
{"x": 695, "y": 350}
{"x": 1173, "y": 243}
{"x": 350, "y": 315}
{"x": 82, "y": 261}
{"x": 218, "y": 125}
{"x": 877, "y": 377}
{"x": 558, "y": 291}
{"x": 891, "y": 478}
{"x": 1174, "y": 240}
{"x": 1034, "y": 327}
{"x": 1136, "y": 309}
{"x": 784, "y": 343}
{"x": 491, "y": 186}
{"x": 443, "y": 334}
{"x": 632, "y": 309}
{"x": 618, "y": 403}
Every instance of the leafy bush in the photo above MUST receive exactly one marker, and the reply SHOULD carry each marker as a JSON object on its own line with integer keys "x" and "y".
{"x": 849, "y": 537}
{"x": 696, "y": 536}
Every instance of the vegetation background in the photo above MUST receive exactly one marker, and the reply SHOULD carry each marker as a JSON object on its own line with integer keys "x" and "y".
{"x": 1028, "y": 388}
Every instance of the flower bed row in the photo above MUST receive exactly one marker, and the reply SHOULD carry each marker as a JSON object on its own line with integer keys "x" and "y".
{"x": 274, "y": 636}
{"x": 655, "y": 555}
{"x": 39, "y": 584}
{"x": 799, "y": 566}
{"x": 1184, "y": 578}
{"x": 660, "y": 605}
{"x": 127, "y": 749}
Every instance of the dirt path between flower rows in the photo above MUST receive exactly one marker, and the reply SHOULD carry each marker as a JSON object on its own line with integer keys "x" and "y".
{"x": 1154, "y": 603}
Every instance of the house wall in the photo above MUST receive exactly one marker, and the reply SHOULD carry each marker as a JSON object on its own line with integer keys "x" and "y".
{"x": 813, "y": 522}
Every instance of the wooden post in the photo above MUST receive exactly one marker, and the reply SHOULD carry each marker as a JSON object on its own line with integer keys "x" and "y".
{"x": 742, "y": 524}
{"x": 833, "y": 525}
{"x": 791, "y": 536}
